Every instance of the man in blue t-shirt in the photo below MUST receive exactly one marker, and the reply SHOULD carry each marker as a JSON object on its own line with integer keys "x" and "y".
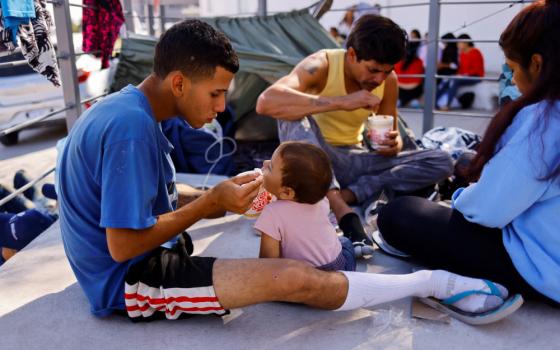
{"x": 124, "y": 236}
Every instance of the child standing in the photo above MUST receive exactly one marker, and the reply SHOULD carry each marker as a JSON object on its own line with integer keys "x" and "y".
{"x": 296, "y": 226}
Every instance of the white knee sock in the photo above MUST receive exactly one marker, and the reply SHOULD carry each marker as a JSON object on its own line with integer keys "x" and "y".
{"x": 367, "y": 289}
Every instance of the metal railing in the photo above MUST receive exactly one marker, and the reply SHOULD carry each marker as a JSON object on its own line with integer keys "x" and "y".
{"x": 36, "y": 120}
{"x": 24, "y": 62}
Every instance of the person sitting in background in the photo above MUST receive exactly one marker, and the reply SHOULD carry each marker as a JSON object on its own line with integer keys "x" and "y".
{"x": 415, "y": 36}
{"x": 336, "y": 35}
{"x": 449, "y": 61}
{"x": 345, "y": 24}
{"x": 471, "y": 64}
{"x": 423, "y": 50}
{"x": 410, "y": 88}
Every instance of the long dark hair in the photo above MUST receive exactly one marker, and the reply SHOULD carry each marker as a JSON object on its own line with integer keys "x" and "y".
{"x": 411, "y": 54}
{"x": 534, "y": 30}
{"x": 450, "y": 53}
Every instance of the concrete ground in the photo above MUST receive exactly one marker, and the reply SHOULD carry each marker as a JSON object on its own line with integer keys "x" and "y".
{"x": 42, "y": 307}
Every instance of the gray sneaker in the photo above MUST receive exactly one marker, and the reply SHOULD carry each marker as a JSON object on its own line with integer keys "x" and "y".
{"x": 362, "y": 250}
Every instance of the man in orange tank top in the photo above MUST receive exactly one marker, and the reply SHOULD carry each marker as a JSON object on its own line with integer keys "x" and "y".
{"x": 326, "y": 99}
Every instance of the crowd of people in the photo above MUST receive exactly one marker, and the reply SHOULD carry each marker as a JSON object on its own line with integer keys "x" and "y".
{"x": 455, "y": 58}
{"x": 125, "y": 237}
{"x": 118, "y": 251}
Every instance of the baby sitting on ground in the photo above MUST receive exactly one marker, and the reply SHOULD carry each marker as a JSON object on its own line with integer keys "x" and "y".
{"x": 297, "y": 225}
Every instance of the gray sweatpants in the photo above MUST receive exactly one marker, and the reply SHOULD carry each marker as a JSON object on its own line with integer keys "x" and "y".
{"x": 366, "y": 173}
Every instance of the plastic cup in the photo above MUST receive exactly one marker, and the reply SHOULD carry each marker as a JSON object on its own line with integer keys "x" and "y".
{"x": 378, "y": 126}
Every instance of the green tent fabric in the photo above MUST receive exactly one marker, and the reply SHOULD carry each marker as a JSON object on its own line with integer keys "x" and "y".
{"x": 268, "y": 48}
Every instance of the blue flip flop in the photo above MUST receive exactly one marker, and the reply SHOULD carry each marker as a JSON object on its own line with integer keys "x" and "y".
{"x": 509, "y": 306}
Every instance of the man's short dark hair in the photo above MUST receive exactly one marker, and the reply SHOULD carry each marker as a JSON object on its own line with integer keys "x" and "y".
{"x": 195, "y": 48}
{"x": 307, "y": 170}
{"x": 378, "y": 38}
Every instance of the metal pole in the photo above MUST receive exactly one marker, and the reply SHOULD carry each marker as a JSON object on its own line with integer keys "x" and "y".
{"x": 513, "y": 2}
{"x": 262, "y": 8}
{"x": 128, "y": 18}
{"x": 162, "y": 18}
{"x": 13, "y": 63}
{"x": 431, "y": 67}
{"x": 67, "y": 62}
{"x": 29, "y": 122}
{"x": 151, "y": 20}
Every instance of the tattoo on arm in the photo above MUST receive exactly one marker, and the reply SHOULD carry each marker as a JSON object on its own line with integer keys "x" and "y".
{"x": 319, "y": 102}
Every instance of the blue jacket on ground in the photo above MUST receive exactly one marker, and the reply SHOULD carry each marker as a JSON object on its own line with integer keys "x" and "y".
{"x": 511, "y": 196}
{"x": 191, "y": 146}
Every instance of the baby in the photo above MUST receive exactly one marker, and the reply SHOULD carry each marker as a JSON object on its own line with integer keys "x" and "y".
{"x": 296, "y": 226}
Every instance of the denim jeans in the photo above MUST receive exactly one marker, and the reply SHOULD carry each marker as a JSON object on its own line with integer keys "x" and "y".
{"x": 451, "y": 86}
{"x": 367, "y": 173}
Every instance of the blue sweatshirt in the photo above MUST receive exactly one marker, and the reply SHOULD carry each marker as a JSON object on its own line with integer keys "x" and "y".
{"x": 510, "y": 196}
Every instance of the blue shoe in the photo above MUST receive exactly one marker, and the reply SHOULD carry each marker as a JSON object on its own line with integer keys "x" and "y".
{"x": 48, "y": 191}
{"x": 20, "y": 180}
{"x": 509, "y": 306}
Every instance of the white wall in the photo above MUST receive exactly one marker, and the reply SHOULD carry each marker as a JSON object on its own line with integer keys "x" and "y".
{"x": 453, "y": 17}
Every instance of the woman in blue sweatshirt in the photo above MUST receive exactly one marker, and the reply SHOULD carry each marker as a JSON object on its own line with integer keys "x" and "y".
{"x": 506, "y": 226}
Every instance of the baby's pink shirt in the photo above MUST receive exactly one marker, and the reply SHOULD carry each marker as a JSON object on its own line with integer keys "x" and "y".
{"x": 304, "y": 230}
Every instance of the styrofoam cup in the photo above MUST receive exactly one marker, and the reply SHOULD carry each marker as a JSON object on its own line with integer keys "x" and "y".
{"x": 378, "y": 126}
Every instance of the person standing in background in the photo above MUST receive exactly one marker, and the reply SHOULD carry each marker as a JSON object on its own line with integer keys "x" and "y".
{"x": 471, "y": 64}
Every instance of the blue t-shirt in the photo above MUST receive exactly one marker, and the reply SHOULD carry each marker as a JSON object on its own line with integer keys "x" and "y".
{"x": 510, "y": 196}
{"x": 114, "y": 171}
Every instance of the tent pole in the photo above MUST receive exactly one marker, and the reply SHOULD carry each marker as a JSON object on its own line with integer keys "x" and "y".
{"x": 262, "y": 8}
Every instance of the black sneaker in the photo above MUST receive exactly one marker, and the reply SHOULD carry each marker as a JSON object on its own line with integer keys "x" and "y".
{"x": 21, "y": 179}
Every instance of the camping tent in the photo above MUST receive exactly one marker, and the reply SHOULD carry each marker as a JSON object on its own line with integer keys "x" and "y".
{"x": 268, "y": 48}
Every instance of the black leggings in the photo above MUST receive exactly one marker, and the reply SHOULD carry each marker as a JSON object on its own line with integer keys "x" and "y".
{"x": 440, "y": 237}
{"x": 407, "y": 95}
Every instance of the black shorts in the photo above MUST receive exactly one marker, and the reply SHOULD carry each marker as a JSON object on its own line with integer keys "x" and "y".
{"x": 169, "y": 283}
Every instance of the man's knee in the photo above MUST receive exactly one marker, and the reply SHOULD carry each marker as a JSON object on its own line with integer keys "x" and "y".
{"x": 296, "y": 277}
{"x": 441, "y": 162}
{"x": 309, "y": 285}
